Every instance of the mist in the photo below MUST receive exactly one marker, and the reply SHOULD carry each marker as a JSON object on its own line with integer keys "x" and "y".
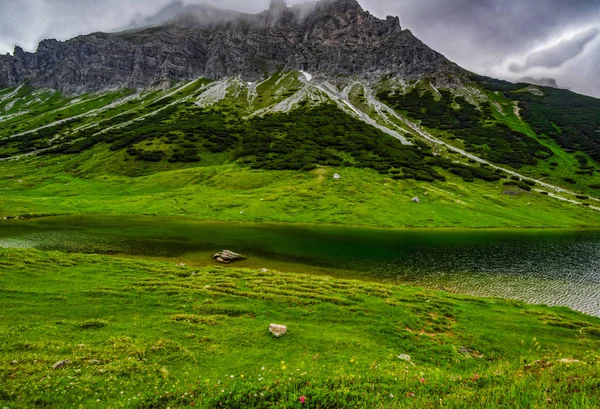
{"x": 508, "y": 40}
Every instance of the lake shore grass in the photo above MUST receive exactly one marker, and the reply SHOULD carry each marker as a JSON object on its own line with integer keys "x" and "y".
{"x": 91, "y": 185}
{"x": 149, "y": 334}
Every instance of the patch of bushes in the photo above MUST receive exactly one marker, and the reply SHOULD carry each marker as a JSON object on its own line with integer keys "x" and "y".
{"x": 569, "y": 118}
{"x": 476, "y": 126}
{"x": 93, "y": 324}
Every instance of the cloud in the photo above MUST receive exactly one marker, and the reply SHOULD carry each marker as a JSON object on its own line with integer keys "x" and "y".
{"x": 484, "y": 36}
{"x": 557, "y": 55}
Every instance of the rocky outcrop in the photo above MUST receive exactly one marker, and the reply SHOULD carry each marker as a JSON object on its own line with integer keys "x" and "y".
{"x": 227, "y": 257}
{"x": 327, "y": 38}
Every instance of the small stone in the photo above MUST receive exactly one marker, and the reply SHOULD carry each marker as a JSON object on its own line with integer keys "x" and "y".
{"x": 264, "y": 270}
{"x": 227, "y": 257}
{"x": 277, "y": 330}
{"x": 406, "y": 358}
{"x": 416, "y": 200}
{"x": 337, "y": 176}
{"x": 61, "y": 364}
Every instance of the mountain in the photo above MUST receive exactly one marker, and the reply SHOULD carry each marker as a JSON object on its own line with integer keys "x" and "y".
{"x": 544, "y": 82}
{"x": 331, "y": 38}
{"x": 249, "y": 116}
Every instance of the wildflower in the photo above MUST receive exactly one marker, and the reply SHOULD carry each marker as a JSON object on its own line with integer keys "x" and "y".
{"x": 232, "y": 376}
{"x": 475, "y": 378}
{"x": 242, "y": 376}
{"x": 303, "y": 399}
{"x": 422, "y": 380}
{"x": 391, "y": 396}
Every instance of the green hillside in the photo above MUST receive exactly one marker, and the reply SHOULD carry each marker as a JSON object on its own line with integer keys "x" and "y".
{"x": 141, "y": 334}
{"x": 478, "y": 156}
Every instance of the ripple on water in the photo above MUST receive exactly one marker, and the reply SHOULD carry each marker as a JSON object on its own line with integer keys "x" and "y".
{"x": 546, "y": 267}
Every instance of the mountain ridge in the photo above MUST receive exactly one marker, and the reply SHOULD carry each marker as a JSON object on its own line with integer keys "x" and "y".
{"x": 336, "y": 38}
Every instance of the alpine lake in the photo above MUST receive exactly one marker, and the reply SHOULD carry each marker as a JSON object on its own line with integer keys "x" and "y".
{"x": 554, "y": 267}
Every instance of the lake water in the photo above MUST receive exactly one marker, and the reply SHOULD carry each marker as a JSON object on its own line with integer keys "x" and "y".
{"x": 554, "y": 267}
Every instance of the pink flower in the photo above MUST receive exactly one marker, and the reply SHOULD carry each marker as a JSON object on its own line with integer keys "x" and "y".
{"x": 476, "y": 377}
{"x": 422, "y": 380}
{"x": 302, "y": 400}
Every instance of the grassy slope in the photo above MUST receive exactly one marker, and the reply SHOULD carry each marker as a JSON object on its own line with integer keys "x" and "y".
{"x": 154, "y": 335}
{"x": 100, "y": 181}
{"x": 95, "y": 183}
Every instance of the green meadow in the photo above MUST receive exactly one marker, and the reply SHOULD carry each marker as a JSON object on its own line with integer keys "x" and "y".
{"x": 141, "y": 334}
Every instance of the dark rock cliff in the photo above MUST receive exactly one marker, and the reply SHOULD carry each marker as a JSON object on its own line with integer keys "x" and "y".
{"x": 330, "y": 38}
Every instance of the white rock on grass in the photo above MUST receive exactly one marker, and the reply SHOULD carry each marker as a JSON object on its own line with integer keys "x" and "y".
{"x": 277, "y": 330}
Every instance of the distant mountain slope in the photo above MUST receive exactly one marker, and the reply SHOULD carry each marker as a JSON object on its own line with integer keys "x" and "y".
{"x": 332, "y": 38}
{"x": 306, "y": 92}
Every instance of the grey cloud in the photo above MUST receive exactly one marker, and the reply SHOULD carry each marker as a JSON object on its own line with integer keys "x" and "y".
{"x": 557, "y": 55}
{"x": 481, "y": 35}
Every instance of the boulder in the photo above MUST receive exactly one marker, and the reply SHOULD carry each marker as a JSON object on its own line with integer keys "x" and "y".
{"x": 227, "y": 257}
{"x": 416, "y": 200}
{"x": 61, "y": 364}
{"x": 277, "y": 330}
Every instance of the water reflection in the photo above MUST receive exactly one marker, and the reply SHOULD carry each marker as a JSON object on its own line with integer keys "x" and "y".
{"x": 555, "y": 267}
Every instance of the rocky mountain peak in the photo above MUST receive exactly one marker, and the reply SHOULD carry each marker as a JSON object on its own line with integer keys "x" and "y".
{"x": 277, "y": 5}
{"x": 341, "y": 4}
{"x": 328, "y": 38}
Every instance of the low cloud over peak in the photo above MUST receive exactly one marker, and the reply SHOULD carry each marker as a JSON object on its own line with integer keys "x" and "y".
{"x": 500, "y": 38}
{"x": 556, "y": 55}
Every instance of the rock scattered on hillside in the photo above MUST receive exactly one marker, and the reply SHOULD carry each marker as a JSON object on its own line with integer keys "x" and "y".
{"x": 227, "y": 257}
{"x": 277, "y": 330}
{"x": 61, "y": 364}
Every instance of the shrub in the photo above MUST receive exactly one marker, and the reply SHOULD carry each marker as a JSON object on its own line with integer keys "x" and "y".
{"x": 93, "y": 324}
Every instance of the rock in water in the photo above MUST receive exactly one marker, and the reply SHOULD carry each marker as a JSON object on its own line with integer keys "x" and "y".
{"x": 61, "y": 364}
{"x": 227, "y": 257}
{"x": 277, "y": 330}
{"x": 416, "y": 200}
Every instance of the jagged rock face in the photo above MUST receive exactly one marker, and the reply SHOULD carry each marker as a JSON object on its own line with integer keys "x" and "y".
{"x": 328, "y": 38}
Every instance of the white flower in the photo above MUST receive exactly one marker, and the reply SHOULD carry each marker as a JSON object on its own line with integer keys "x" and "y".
{"x": 391, "y": 396}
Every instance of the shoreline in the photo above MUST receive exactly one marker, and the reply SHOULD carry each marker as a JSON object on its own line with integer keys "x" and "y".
{"x": 299, "y": 224}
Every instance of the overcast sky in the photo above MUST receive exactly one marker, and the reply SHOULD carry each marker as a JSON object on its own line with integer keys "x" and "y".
{"x": 502, "y": 38}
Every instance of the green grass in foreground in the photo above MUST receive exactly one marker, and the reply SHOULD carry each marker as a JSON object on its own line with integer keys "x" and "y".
{"x": 143, "y": 334}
